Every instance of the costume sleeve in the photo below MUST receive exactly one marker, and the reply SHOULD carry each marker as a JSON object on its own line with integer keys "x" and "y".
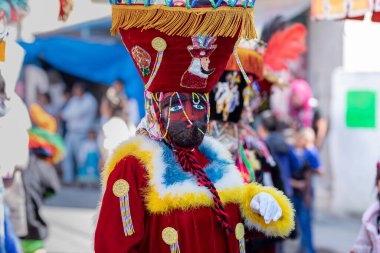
{"x": 120, "y": 226}
{"x": 282, "y": 227}
{"x": 363, "y": 243}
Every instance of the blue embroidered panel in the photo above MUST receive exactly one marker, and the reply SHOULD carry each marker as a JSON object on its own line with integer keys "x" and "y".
{"x": 174, "y": 174}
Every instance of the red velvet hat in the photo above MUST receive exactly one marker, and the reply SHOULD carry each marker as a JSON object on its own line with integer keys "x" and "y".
{"x": 183, "y": 49}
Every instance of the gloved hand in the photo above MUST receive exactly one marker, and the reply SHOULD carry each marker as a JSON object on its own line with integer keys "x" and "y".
{"x": 265, "y": 205}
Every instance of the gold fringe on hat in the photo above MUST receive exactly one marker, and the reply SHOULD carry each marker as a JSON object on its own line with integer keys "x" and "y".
{"x": 180, "y": 21}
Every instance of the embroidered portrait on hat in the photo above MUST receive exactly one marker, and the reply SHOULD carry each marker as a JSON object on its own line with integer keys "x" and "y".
{"x": 199, "y": 70}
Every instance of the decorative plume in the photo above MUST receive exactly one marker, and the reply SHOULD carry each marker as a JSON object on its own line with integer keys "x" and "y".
{"x": 285, "y": 45}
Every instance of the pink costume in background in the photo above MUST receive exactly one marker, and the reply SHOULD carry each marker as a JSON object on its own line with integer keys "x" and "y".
{"x": 303, "y": 114}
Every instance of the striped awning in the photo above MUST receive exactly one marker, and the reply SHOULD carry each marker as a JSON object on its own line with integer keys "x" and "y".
{"x": 345, "y": 9}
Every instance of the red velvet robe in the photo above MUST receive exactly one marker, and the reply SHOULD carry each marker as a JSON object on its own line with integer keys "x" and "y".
{"x": 197, "y": 228}
{"x": 162, "y": 195}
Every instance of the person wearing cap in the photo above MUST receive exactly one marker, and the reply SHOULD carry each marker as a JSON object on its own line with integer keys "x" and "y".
{"x": 173, "y": 189}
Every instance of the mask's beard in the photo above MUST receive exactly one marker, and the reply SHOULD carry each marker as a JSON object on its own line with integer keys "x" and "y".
{"x": 181, "y": 135}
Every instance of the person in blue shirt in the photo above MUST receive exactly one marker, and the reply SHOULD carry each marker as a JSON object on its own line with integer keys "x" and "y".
{"x": 309, "y": 161}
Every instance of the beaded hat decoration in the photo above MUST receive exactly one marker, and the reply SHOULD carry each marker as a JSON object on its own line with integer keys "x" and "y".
{"x": 182, "y": 46}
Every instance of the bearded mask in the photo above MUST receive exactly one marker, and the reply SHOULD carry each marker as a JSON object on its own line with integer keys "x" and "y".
{"x": 182, "y": 118}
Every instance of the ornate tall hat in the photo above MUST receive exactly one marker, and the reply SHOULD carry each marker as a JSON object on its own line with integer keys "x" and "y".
{"x": 182, "y": 46}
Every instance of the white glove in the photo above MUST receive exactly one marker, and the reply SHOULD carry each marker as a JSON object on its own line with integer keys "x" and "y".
{"x": 265, "y": 205}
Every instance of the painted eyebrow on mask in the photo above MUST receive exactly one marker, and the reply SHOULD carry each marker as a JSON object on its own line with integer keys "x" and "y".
{"x": 174, "y": 99}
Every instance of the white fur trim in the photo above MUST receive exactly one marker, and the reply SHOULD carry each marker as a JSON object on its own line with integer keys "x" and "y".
{"x": 231, "y": 179}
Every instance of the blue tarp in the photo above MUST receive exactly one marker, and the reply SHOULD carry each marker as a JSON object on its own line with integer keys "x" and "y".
{"x": 95, "y": 62}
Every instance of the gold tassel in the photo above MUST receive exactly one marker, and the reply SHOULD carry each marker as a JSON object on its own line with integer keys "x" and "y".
{"x": 180, "y": 21}
{"x": 170, "y": 237}
{"x": 120, "y": 189}
{"x": 159, "y": 45}
{"x": 239, "y": 233}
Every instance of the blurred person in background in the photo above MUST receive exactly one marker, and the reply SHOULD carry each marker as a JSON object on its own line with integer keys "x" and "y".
{"x": 56, "y": 88}
{"x": 41, "y": 182}
{"x": 320, "y": 124}
{"x": 300, "y": 108}
{"x": 79, "y": 115}
{"x": 88, "y": 164}
{"x": 44, "y": 100}
{"x": 62, "y": 125}
{"x": 283, "y": 153}
{"x": 36, "y": 82}
{"x": 117, "y": 96}
{"x": 308, "y": 157}
{"x": 305, "y": 112}
{"x": 40, "y": 179}
{"x": 368, "y": 239}
{"x": 114, "y": 128}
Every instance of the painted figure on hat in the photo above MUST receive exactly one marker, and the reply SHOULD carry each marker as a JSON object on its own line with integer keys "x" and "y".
{"x": 198, "y": 72}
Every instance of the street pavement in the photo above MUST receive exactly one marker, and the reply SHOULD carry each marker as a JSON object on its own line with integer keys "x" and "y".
{"x": 71, "y": 219}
